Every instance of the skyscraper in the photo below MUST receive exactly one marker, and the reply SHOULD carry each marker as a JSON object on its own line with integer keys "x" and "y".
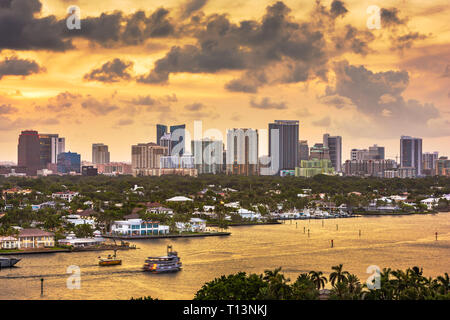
{"x": 411, "y": 154}
{"x": 178, "y": 134}
{"x": 208, "y": 155}
{"x": 242, "y": 152}
{"x": 28, "y": 152}
{"x": 146, "y": 156}
{"x": 161, "y": 130}
{"x": 48, "y": 148}
{"x": 100, "y": 153}
{"x": 286, "y": 144}
{"x": 334, "y": 144}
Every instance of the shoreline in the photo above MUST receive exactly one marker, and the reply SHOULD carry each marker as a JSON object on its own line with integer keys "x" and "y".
{"x": 168, "y": 236}
{"x": 62, "y": 250}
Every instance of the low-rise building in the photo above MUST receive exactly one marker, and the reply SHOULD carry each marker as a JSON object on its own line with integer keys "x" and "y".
{"x": 194, "y": 225}
{"x": 35, "y": 238}
{"x": 67, "y": 195}
{"x": 138, "y": 227}
{"x": 9, "y": 243}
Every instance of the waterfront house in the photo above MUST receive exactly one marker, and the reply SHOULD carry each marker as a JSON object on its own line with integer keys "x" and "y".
{"x": 247, "y": 214}
{"x": 35, "y": 238}
{"x": 194, "y": 225}
{"x": 9, "y": 243}
{"x": 138, "y": 227}
{"x": 67, "y": 195}
{"x": 431, "y": 203}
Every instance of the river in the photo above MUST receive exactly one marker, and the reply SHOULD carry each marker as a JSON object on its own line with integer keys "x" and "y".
{"x": 385, "y": 241}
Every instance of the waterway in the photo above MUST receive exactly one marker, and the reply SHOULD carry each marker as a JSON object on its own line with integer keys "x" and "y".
{"x": 385, "y": 241}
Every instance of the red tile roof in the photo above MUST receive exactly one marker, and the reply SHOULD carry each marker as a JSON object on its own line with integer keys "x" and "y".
{"x": 35, "y": 233}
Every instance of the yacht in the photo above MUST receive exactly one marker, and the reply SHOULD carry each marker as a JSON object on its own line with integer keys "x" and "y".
{"x": 8, "y": 262}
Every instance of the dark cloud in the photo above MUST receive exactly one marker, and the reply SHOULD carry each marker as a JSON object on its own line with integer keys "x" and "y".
{"x": 14, "y": 66}
{"x": 144, "y": 101}
{"x": 112, "y": 71}
{"x": 379, "y": 96}
{"x": 250, "y": 46}
{"x": 407, "y": 40}
{"x": 118, "y": 29}
{"x": 390, "y": 17}
{"x": 266, "y": 104}
{"x": 98, "y": 107}
{"x": 197, "y": 106}
{"x": 338, "y": 8}
{"x": 20, "y": 29}
{"x": 354, "y": 40}
{"x": 191, "y": 6}
{"x": 7, "y": 109}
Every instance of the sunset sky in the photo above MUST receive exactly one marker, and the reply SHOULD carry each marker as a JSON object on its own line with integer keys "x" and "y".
{"x": 231, "y": 64}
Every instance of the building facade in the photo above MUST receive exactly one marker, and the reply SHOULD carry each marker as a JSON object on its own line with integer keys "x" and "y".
{"x": 100, "y": 153}
{"x": 283, "y": 143}
{"x": 303, "y": 151}
{"x": 411, "y": 154}
{"x": 29, "y": 152}
{"x": 242, "y": 152}
{"x": 334, "y": 144}
{"x": 69, "y": 162}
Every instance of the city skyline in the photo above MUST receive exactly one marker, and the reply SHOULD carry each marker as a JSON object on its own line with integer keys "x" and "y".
{"x": 115, "y": 86}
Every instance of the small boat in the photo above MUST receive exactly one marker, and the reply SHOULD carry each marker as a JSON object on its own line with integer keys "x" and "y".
{"x": 8, "y": 262}
{"x": 169, "y": 263}
{"x": 111, "y": 260}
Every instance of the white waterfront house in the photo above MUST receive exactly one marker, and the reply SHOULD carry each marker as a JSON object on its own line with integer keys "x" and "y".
{"x": 247, "y": 214}
{"x": 77, "y": 220}
{"x": 194, "y": 225}
{"x": 67, "y": 195}
{"x": 138, "y": 227}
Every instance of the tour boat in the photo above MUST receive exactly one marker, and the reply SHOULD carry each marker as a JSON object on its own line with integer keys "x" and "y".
{"x": 8, "y": 262}
{"x": 111, "y": 260}
{"x": 169, "y": 263}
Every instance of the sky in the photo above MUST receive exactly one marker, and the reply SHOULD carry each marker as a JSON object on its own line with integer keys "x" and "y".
{"x": 230, "y": 64}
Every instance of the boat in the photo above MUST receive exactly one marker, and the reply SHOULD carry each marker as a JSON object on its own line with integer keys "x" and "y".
{"x": 111, "y": 260}
{"x": 8, "y": 262}
{"x": 169, "y": 263}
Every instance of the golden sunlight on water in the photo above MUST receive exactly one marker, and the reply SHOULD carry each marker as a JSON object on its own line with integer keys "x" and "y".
{"x": 395, "y": 242}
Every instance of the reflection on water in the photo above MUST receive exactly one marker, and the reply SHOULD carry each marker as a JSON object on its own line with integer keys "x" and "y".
{"x": 396, "y": 242}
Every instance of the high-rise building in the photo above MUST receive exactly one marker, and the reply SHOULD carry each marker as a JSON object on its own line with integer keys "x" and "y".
{"x": 28, "y": 152}
{"x": 411, "y": 154}
{"x": 429, "y": 160}
{"x": 146, "y": 156}
{"x": 242, "y": 152}
{"x": 334, "y": 144}
{"x": 161, "y": 130}
{"x": 374, "y": 168}
{"x": 286, "y": 143}
{"x": 51, "y": 145}
{"x": 69, "y": 162}
{"x": 100, "y": 153}
{"x": 208, "y": 155}
{"x": 303, "y": 150}
{"x": 178, "y": 134}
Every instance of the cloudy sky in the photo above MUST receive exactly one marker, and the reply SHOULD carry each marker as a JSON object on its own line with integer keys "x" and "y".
{"x": 229, "y": 63}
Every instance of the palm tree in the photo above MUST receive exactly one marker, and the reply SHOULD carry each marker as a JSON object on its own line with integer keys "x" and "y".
{"x": 318, "y": 279}
{"x": 444, "y": 283}
{"x": 338, "y": 275}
